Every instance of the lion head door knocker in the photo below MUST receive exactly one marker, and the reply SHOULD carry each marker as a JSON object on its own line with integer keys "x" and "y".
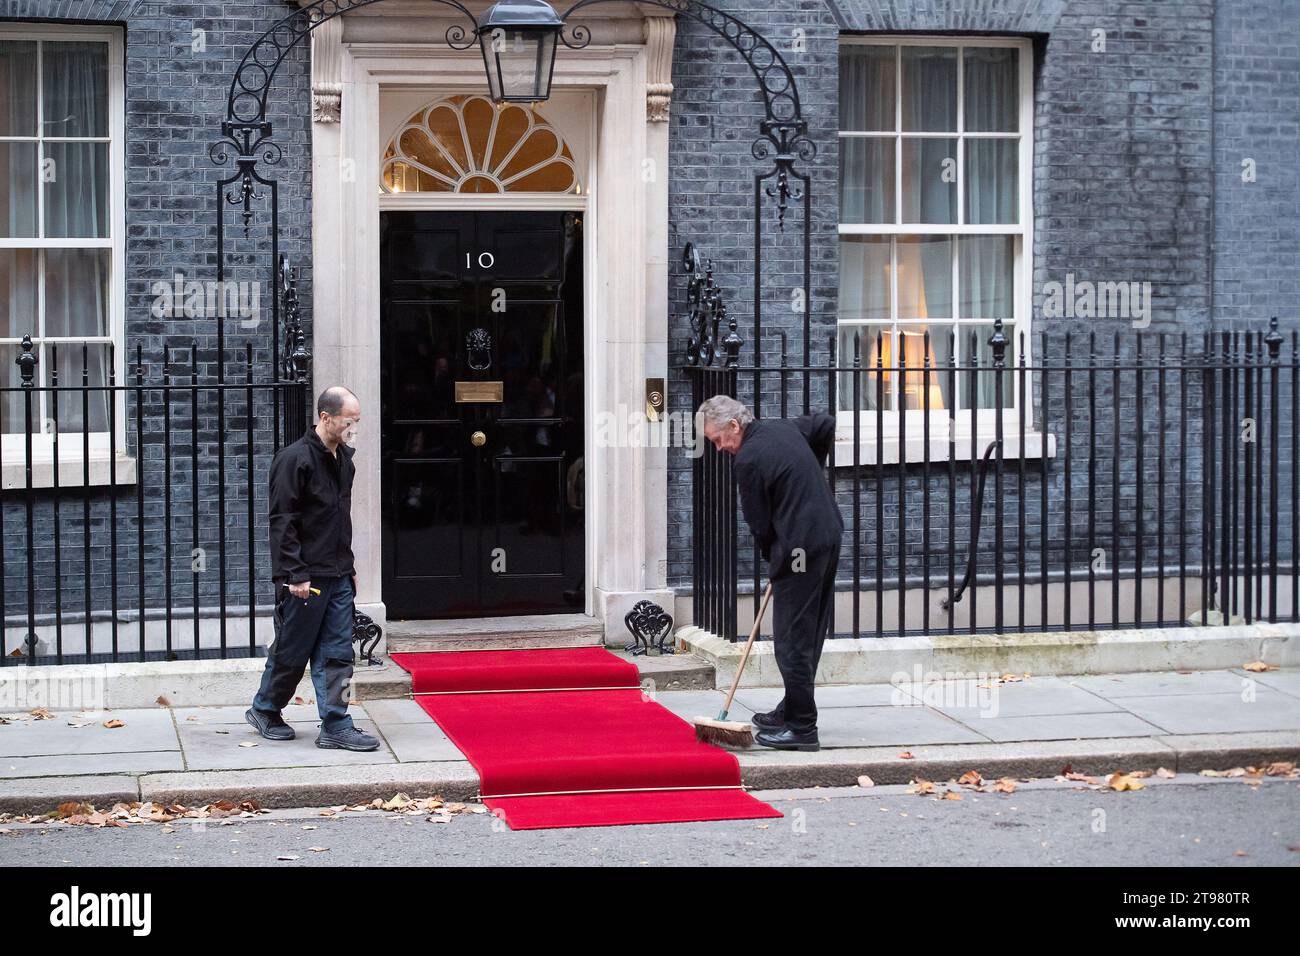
{"x": 479, "y": 346}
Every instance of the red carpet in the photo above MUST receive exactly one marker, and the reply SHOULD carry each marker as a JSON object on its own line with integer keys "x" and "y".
{"x": 551, "y": 751}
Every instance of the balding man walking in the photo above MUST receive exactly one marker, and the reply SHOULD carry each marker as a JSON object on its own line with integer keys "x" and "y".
{"x": 789, "y": 507}
{"x": 315, "y": 581}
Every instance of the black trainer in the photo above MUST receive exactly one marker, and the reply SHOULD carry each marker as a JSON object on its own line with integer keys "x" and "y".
{"x": 769, "y": 721}
{"x": 350, "y": 739}
{"x": 787, "y": 739}
{"x": 270, "y": 726}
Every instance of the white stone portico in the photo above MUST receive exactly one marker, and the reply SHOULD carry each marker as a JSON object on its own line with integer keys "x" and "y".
{"x": 611, "y": 96}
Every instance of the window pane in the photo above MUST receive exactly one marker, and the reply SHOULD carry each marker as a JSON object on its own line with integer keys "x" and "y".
{"x": 74, "y": 87}
{"x": 76, "y": 195}
{"x": 18, "y": 294}
{"x": 12, "y": 413}
{"x": 867, "y": 179}
{"x": 875, "y": 389}
{"x": 864, "y": 277}
{"x": 925, "y": 277}
{"x": 992, "y": 181}
{"x": 976, "y": 344}
{"x": 986, "y": 274}
{"x": 76, "y": 292}
{"x": 929, "y": 182}
{"x": 17, "y": 88}
{"x": 916, "y": 383}
{"x": 867, "y": 97}
{"x": 70, "y": 363}
{"x": 991, "y": 89}
{"x": 17, "y": 190}
{"x": 930, "y": 89}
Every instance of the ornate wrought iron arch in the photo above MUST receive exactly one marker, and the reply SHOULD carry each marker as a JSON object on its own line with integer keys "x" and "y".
{"x": 246, "y": 136}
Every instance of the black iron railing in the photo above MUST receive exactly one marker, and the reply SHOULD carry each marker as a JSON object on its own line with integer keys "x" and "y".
{"x": 1099, "y": 482}
{"x": 142, "y": 504}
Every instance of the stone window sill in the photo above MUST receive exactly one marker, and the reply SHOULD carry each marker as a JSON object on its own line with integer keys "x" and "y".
{"x": 72, "y": 472}
{"x": 1036, "y": 445}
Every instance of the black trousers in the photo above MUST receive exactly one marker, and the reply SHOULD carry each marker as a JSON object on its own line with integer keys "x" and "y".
{"x": 801, "y": 619}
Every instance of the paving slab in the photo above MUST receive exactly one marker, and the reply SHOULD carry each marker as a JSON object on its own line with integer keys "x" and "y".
{"x": 385, "y": 712}
{"x": 1288, "y": 682}
{"x": 1114, "y": 686}
{"x": 415, "y": 742}
{"x": 689, "y": 704}
{"x": 1062, "y": 727}
{"x": 62, "y": 765}
{"x": 1218, "y": 713}
{"x": 145, "y": 731}
{"x": 763, "y": 699}
{"x": 967, "y": 699}
{"x": 207, "y": 749}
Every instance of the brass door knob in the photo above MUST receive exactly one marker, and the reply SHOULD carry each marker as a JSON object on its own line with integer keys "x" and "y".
{"x": 477, "y": 439}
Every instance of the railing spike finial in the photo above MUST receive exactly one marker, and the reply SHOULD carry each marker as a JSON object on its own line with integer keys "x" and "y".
{"x": 26, "y": 363}
{"x": 1273, "y": 340}
{"x": 998, "y": 342}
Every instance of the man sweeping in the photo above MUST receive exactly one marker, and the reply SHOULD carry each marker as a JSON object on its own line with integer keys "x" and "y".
{"x": 789, "y": 507}
{"x": 315, "y": 581}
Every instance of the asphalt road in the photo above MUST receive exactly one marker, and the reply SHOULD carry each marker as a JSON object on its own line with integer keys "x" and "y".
{"x": 1192, "y": 821}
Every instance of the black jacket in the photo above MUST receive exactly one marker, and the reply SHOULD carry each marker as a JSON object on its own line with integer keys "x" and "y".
{"x": 783, "y": 489}
{"x": 311, "y": 511}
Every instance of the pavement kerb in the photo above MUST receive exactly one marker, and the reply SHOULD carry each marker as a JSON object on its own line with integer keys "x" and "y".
{"x": 761, "y": 770}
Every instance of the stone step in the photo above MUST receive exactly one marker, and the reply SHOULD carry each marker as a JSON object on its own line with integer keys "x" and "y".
{"x": 494, "y": 633}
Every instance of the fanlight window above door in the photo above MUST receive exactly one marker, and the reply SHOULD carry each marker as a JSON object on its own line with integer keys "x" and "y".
{"x": 465, "y": 144}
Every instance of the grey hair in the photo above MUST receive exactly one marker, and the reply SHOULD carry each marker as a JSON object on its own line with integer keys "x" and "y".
{"x": 720, "y": 409}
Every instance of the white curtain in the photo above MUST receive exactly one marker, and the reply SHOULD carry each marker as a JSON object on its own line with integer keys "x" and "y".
{"x": 75, "y": 97}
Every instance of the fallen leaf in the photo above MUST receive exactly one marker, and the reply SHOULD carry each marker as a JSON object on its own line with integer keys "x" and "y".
{"x": 865, "y": 781}
{"x": 921, "y": 787}
{"x": 906, "y": 755}
{"x": 970, "y": 778}
{"x": 952, "y": 795}
{"x": 1166, "y": 773}
{"x": 1280, "y": 768}
{"x": 163, "y": 701}
{"x": 1004, "y": 785}
{"x": 1258, "y": 667}
{"x": 1120, "y": 781}
{"x": 40, "y": 713}
{"x": 114, "y": 723}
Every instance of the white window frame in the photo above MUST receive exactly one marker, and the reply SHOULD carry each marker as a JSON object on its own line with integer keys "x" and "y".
{"x": 941, "y": 421}
{"x": 72, "y": 443}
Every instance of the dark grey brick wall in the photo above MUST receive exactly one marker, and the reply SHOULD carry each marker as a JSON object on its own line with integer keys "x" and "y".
{"x": 175, "y": 102}
{"x": 1124, "y": 180}
{"x": 1256, "y": 118}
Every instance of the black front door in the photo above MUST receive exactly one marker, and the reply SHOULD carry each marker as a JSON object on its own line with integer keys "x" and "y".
{"x": 482, "y": 433}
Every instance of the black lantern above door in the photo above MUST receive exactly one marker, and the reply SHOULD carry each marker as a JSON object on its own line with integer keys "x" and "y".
{"x": 518, "y": 42}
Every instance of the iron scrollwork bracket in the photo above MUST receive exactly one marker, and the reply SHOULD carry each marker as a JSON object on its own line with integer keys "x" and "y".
{"x": 297, "y": 359}
{"x": 707, "y": 312}
{"x": 650, "y": 626}
{"x": 366, "y": 633}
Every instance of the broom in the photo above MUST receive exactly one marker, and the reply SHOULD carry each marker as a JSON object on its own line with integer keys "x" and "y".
{"x": 733, "y": 733}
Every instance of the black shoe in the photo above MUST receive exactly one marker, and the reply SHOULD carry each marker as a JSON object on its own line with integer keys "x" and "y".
{"x": 270, "y": 726}
{"x": 787, "y": 739}
{"x": 350, "y": 739}
{"x": 769, "y": 721}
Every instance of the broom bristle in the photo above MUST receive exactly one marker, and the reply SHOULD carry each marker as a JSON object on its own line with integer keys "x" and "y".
{"x": 727, "y": 733}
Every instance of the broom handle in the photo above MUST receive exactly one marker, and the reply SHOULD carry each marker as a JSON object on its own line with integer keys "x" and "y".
{"x": 753, "y": 633}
